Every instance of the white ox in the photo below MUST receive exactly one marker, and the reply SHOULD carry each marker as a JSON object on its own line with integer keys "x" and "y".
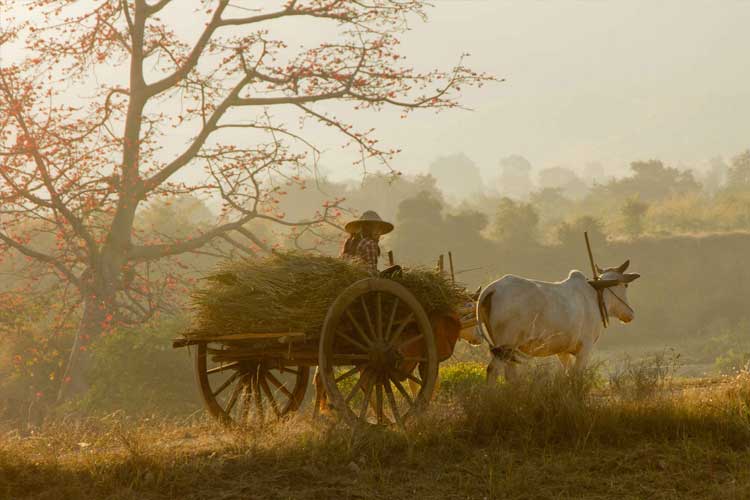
{"x": 536, "y": 318}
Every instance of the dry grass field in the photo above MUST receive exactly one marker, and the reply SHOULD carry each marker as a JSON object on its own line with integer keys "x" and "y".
{"x": 548, "y": 437}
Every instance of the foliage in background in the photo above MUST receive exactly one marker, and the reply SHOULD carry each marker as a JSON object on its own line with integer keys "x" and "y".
{"x": 36, "y": 336}
{"x": 727, "y": 346}
{"x": 633, "y": 212}
{"x": 515, "y": 223}
{"x": 137, "y": 371}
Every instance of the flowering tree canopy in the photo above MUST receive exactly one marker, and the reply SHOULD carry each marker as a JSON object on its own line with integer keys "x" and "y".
{"x": 111, "y": 107}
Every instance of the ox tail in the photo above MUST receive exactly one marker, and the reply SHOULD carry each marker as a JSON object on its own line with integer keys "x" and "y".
{"x": 484, "y": 310}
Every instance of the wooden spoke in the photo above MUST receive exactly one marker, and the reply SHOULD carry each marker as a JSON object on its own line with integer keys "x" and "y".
{"x": 258, "y": 396}
{"x": 226, "y": 384}
{"x": 414, "y": 379}
{"x": 379, "y": 318}
{"x": 379, "y": 402}
{"x": 269, "y": 395}
{"x": 357, "y": 386}
{"x": 387, "y": 336}
{"x": 247, "y": 395}
{"x": 366, "y": 399}
{"x": 222, "y": 368}
{"x": 403, "y": 391}
{"x": 357, "y": 327}
{"x": 286, "y": 369}
{"x": 392, "y": 403}
{"x": 353, "y": 342}
{"x": 279, "y": 385}
{"x": 401, "y": 328}
{"x": 409, "y": 341}
{"x": 367, "y": 316}
{"x": 347, "y": 374}
{"x": 233, "y": 398}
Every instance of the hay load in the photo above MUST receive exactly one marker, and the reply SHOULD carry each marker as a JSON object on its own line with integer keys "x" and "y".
{"x": 293, "y": 291}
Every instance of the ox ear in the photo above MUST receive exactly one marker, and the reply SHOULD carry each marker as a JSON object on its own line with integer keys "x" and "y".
{"x": 623, "y": 267}
{"x": 628, "y": 277}
{"x": 602, "y": 284}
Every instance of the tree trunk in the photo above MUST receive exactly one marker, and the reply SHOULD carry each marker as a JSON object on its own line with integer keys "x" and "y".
{"x": 95, "y": 321}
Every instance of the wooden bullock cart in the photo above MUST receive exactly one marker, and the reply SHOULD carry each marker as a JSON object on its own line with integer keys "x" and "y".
{"x": 365, "y": 355}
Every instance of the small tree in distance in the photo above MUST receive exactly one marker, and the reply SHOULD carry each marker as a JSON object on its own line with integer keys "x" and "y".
{"x": 515, "y": 223}
{"x": 738, "y": 175}
{"x": 77, "y": 169}
{"x": 633, "y": 211}
{"x": 570, "y": 234}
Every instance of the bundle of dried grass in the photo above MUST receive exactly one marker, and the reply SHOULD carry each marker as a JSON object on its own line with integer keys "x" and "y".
{"x": 293, "y": 291}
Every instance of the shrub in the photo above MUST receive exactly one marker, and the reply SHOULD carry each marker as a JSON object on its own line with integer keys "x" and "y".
{"x": 644, "y": 378}
{"x": 729, "y": 348}
{"x": 732, "y": 362}
{"x": 137, "y": 371}
{"x": 461, "y": 377}
{"x": 543, "y": 405}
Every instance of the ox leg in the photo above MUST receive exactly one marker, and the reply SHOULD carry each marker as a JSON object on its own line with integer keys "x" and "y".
{"x": 566, "y": 361}
{"x": 493, "y": 371}
{"x": 414, "y": 387}
{"x": 582, "y": 360}
{"x": 511, "y": 372}
{"x": 321, "y": 397}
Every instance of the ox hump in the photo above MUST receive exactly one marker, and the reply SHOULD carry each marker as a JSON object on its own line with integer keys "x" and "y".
{"x": 575, "y": 274}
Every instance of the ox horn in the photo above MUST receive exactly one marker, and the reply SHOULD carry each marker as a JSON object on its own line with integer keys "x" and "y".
{"x": 623, "y": 267}
{"x": 602, "y": 284}
{"x": 628, "y": 277}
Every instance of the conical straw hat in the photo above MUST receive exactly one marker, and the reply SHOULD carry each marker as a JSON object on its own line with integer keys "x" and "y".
{"x": 368, "y": 217}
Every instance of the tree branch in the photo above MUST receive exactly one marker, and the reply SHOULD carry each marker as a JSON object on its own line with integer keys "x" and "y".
{"x": 154, "y": 252}
{"x": 192, "y": 59}
{"x": 42, "y": 257}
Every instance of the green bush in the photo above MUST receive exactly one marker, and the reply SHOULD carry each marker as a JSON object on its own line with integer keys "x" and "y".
{"x": 460, "y": 377}
{"x": 137, "y": 371}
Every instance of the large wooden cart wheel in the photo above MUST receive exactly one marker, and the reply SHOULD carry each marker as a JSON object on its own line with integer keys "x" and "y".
{"x": 247, "y": 391}
{"x": 374, "y": 336}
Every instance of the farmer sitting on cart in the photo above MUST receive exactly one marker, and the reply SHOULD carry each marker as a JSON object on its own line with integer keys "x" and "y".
{"x": 364, "y": 234}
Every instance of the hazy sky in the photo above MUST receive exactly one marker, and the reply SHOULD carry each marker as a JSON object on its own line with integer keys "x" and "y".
{"x": 608, "y": 81}
{"x": 589, "y": 80}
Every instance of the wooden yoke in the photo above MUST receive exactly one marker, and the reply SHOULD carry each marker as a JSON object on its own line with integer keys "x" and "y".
{"x": 599, "y": 293}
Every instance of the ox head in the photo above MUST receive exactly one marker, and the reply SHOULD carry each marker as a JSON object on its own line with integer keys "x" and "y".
{"x": 614, "y": 282}
{"x": 471, "y": 335}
